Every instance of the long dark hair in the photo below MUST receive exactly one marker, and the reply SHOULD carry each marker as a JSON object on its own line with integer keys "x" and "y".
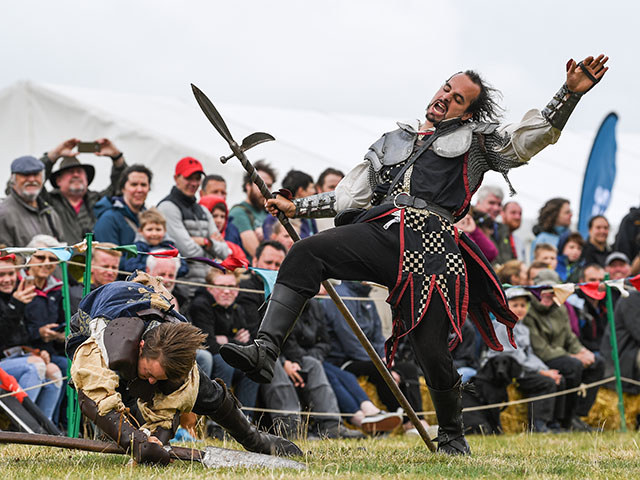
{"x": 485, "y": 107}
{"x": 548, "y": 215}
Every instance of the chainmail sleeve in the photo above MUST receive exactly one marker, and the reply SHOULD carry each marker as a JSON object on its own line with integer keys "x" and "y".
{"x": 509, "y": 146}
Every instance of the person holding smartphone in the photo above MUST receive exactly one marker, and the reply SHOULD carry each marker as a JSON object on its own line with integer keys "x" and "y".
{"x": 30, "y": 367}
{"x": 71, "y": 198}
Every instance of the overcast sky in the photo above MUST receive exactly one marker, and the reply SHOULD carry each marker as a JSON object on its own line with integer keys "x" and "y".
{"x": 373, "y": 57}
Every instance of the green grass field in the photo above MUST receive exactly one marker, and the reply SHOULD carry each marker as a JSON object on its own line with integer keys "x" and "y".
{"x": 593, "y": 455}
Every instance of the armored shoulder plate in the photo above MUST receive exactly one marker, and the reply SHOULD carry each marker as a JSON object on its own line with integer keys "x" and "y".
{"x": 559, "y": 109}
{"x": 458, "y": 142}
{"x": 320, "y": 205}
{"x": 392, "y": 148}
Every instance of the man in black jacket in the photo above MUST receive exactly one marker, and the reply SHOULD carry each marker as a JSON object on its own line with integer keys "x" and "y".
{"x": 214, "y": 310}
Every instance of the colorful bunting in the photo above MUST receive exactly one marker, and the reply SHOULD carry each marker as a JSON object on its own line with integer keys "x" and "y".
{"x": 619, "y": 284}
{"x": 592, "y": 289}
{"x": 562, "y": 292}
{"x": 635, "y": 281}
{"x": 130, "y": 250}
{"x": 268, "y": 278}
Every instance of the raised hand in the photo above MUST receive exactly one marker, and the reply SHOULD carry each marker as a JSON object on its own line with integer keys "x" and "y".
{"x": 107, "y": 148}
{"x": 65, "y": 149}
{"x": 581, "y": 77}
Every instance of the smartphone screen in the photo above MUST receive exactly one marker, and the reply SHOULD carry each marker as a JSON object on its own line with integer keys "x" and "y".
{"x": 88, "y": 147}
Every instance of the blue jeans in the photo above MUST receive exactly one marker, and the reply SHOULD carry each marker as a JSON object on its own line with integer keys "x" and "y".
{"x": 345, "y": 385}
{"x": 246, "y": 391}
{"x": 27, "y": 375}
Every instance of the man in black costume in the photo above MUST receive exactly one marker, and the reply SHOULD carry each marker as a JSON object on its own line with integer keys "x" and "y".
{"x": 396, "y": 211}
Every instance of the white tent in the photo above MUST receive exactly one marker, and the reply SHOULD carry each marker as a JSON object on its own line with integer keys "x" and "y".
{"x": 158, "y": 131}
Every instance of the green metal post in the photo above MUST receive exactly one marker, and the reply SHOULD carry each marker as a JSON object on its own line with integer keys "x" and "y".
{"x": 73, "y": 415}
{"x": 87, "y": 265}
{"x": 614, "y": 356}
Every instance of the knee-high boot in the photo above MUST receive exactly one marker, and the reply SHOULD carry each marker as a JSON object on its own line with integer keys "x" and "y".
{"x": 229, "y": 416}
{"x": 257, "y": 360}
{"x": 448, "y": 404}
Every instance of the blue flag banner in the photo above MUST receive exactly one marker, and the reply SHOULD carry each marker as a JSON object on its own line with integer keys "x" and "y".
{"x": 599, "y": 174}
{"x": 268, "y": 278}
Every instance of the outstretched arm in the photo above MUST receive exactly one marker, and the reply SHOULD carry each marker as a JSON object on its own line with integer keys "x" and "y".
{"x": 516, "y": 143}
{"x": 581, "y": 77}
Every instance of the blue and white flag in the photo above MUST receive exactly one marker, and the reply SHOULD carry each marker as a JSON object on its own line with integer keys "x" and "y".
{"x": 599, "y": 174}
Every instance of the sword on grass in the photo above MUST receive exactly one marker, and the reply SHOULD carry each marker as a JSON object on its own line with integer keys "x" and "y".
{"x": 210, "y": 457}
{"x": 238, "y": 151}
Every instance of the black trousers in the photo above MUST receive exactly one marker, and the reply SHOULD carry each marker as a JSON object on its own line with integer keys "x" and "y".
{"x": 546, "y": 410}
{"x": 366, "y": 251}
{"x": 574, "y": 374}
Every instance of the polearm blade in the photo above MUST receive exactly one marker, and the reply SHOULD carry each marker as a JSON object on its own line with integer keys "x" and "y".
{"x": 220, "y": 126}
{"x": 212, "y": 114}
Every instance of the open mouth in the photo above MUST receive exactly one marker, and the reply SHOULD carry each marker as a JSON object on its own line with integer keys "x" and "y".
{"x": 439, "y": 107}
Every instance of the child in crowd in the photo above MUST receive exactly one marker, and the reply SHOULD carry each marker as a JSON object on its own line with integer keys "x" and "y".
{"x": 513, "y": 272}
{"x": 536, "y": 377}
{"x": 546, "y": 253}
{"x": 569, "y": 262}
{"x": 534, "y": 269}
{"x": 220, "y": 213}
{"x": 152, "y": 235}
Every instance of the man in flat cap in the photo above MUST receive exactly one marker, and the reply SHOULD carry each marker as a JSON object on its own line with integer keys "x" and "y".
{"x": 24, "y": 213}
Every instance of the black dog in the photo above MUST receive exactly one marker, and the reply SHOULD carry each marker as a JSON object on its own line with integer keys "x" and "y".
{"x": 489, "y": 386}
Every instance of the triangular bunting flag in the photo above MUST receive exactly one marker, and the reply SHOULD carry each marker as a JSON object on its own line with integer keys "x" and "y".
{"x": 268, "y": 278}
{"x": 130, "y": 250}
{"x": 173, "y": 252}
{"x": 562, "y": 292}
{"x": 591, "y": 289}
{"x": 619, "y": 284}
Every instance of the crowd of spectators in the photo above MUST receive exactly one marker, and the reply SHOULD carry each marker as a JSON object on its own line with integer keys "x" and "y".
{"x": 561, "y": 344}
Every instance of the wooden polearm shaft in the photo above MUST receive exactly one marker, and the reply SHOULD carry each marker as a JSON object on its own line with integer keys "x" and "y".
{"x": 380, "y": 366}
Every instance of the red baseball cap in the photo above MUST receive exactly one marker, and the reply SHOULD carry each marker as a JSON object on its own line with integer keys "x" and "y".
{"x": 188, "y": 166}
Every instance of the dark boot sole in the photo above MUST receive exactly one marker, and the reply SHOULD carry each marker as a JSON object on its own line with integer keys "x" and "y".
{"x": 241, "y": 361}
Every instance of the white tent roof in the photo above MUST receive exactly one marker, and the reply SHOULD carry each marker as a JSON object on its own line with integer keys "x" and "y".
{"x": 158, "y": 131}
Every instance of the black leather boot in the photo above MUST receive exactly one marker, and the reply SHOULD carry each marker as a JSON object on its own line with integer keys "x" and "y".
{"x": 257, "y": 360}
{"x": 117, "y": 426}
{"x": 229, "y": 416}
{"x": 448, "y": 404}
